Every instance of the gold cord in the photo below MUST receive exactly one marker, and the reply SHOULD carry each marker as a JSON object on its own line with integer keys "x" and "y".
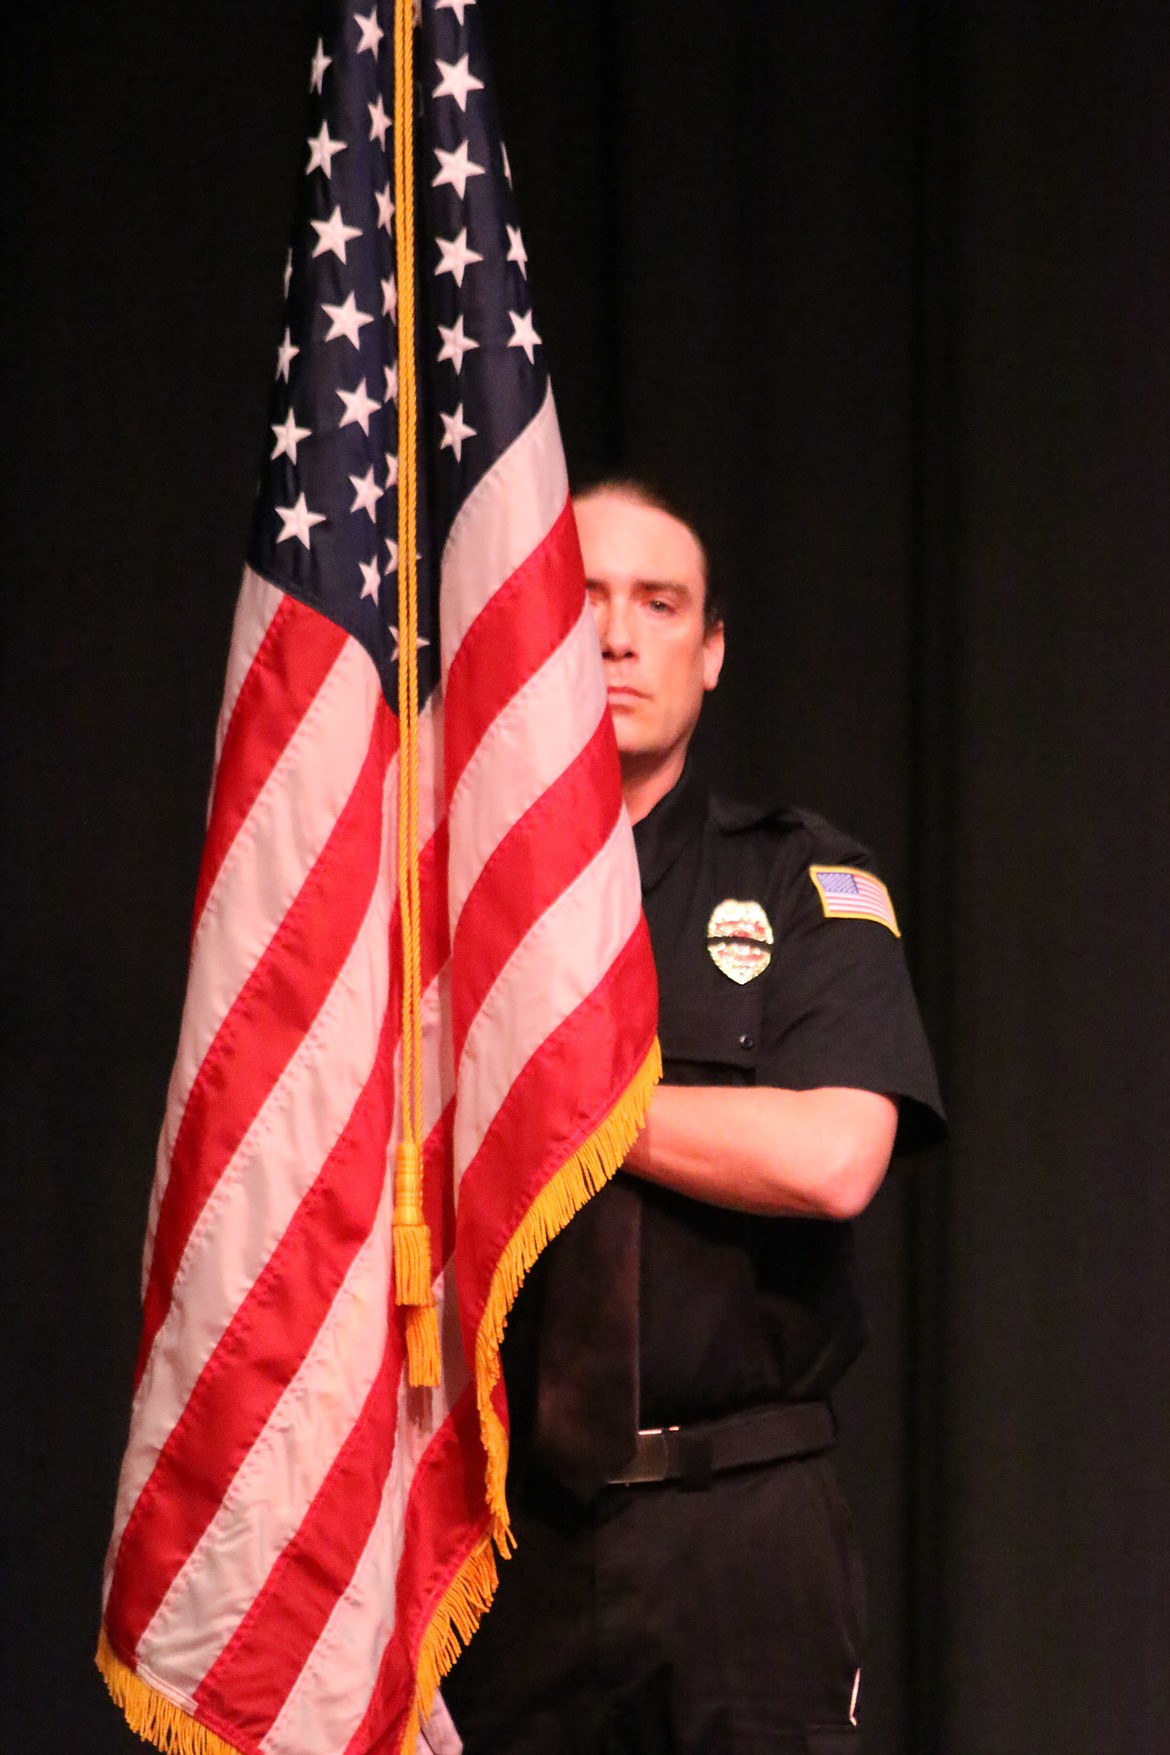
{"x": 412, "y": 1241}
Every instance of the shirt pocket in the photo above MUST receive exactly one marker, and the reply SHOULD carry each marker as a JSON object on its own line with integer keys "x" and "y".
{"x": 713, "y": 1043}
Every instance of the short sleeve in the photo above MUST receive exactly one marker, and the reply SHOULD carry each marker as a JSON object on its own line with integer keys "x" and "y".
{"x": 840, "y": 1008}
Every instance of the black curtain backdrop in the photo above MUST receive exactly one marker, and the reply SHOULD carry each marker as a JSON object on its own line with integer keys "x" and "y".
{"x": 881, "y": 293}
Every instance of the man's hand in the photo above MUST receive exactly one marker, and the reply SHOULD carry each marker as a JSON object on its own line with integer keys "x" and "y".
{"x": 819, "y": 1153}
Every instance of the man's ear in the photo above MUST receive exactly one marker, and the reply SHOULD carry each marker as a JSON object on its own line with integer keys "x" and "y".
{"x": 712, "y": 656}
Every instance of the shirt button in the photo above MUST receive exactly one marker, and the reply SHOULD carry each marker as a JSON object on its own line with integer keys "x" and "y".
{"x": 747, "y": 1041}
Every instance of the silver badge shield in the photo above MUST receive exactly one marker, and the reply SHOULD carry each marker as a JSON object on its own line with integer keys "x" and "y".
{"x": 739, "y": 938}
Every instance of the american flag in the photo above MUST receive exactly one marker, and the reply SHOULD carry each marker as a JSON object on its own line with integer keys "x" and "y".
{"x": 849, "y": 893}
{"x": 300, "y": 1535}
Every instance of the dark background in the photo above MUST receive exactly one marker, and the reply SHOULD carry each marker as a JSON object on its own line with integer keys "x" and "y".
{"x": 883, "y": 292}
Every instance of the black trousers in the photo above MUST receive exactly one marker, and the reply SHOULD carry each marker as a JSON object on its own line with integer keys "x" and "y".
{"x": 662, "y": 1620}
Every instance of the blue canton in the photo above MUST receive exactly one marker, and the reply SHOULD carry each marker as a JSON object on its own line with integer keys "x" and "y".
{"x": 325, "y": 527}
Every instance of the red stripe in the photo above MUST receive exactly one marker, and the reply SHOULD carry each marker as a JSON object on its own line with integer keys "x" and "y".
{"x": 562, "y": 1095}
{"x": 439, "y": 1189}
{"x": 446, "y": 1515}
{"x": 298, "y": 651}
{"x": 269, "y": 1019}
{"x": 257, "y": 1357}
{"x": 539, "y": 857}
{"x": 515, "y": 633}
{"x": 254, "y": 1674}
{"x": 432, "y": 888}
{"x": 274, "y": 1641}
{"x": 274, "y": 1327}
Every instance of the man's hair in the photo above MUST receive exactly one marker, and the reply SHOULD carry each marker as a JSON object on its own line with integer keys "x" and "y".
{"x": 629, "y": 487}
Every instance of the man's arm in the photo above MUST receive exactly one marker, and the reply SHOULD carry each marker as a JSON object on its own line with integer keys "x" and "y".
{"x": 820, "y": 1153}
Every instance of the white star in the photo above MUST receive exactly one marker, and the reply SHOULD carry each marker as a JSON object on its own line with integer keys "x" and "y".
{"x": 455, "y": 430}
{"x": 347, "y": 320}
{"x": 392, "y": 562}
{"x": 320, "y": 61}
{"x": 385, "y": 207}
{"x": 358, "y": 408}
{"x": 372, "y": 32}
{"x": 287, "y": 273}
{"x": 524, "y": 335}
{"x": 455, "y": 168}
{"x": 391, "y": 382}
{"x": 456, "y": 81}
{"x": 391, "y": 470}
{"x": 454, "y": 256}
{"x": 418, "y": 643}
{"x": 333, "y": 234}
{"x": 371, "y": 579}
{"x": 379, "y": 121}
{"x": 455, "y": 343}
{"x": 322, "y": 151}
{"x": 390, "y": 297}
{"x": 458, "y": 7}
{"x": 288, "y": 436}
{"x": 366, "y": 493}
{"x": 297, "y": 521}
{"x": 516, "y": 251}
{"x": 507, "y": 166}
{"x": 285, "y": 355}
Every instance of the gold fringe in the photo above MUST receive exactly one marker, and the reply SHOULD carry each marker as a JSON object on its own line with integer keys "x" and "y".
{"x": 412, "y": 1261}
{"x": 462, "y": 1607}
{"x": 583, "y": 1175}
{"x": 156, "y": 1719}
{"x": 424, "y": 1363}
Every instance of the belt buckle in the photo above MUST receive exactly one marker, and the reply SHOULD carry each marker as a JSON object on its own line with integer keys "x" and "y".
{"x": 651, "y": 1460}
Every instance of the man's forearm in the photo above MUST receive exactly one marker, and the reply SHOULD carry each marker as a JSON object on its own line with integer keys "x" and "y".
{"x": 821, "y": 1153}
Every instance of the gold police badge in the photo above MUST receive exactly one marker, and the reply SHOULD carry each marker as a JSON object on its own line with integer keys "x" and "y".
{"x": 739, "y": 938}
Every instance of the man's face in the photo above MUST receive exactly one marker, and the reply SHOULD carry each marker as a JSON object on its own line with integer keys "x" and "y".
{"x": 646, "y": 581}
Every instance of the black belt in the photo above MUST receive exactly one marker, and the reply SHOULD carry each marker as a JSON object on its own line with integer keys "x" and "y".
{"x": 692, "y": 1454}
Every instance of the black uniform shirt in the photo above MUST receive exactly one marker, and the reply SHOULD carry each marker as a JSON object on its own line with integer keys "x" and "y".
{"x": 738, "y": 1309}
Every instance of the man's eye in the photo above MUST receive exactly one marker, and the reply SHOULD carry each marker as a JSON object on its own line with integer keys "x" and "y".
{"x": 661, "y": 605}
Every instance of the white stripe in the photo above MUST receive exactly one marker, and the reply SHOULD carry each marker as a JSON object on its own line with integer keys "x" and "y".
{"x": 505, "y": 517}
{"x": 528, "y": 745}
{"x": 558, "y": 964}
{"x": 275, "y": 850}
{"x": 282, "y": 1154}
{"x": 259, "y": 1191}
{"x": 256, "y": 605}
{"x": 278, "y": 1480}
{"x": 333, "y": 1691}
{"x": 275, "y": 1486}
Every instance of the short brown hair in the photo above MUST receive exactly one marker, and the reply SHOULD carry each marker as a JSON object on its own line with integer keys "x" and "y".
{"x": 630, "y": 487}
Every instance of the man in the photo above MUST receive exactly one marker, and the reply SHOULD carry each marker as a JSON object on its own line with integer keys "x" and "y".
{"x": 685, "y": 1578}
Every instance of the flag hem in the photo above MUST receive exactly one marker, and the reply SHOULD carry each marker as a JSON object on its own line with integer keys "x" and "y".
{"x": 581, "y": 1176}
{"x": 154, "y": 1716}
{"x": 460, "y": 1610}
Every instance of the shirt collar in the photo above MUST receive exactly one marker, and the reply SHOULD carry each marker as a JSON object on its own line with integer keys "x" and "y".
{"x": 674, "y": 822}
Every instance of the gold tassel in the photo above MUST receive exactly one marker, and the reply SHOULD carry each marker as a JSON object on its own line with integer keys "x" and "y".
{"x": 411, "y": 1233}
{"x": 156, "y": 1719}
{"x": 424, "y": 1365}
{"x": 412, "y": 1272}
{"x": 412, "y": 1262}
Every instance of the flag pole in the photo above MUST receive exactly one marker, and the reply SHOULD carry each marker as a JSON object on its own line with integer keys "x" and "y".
{"x": 411, "y": 1234}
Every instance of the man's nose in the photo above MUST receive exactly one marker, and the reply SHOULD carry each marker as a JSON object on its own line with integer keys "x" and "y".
{"x": 616, "y": 630}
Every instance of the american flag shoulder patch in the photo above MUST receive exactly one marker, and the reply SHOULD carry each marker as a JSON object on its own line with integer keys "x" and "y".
{"x": 848, "y": 893}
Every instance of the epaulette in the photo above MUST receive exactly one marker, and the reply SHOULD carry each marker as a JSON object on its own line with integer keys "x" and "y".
{"x": 733, "y": 814}
{"x": 826, "y": 841}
